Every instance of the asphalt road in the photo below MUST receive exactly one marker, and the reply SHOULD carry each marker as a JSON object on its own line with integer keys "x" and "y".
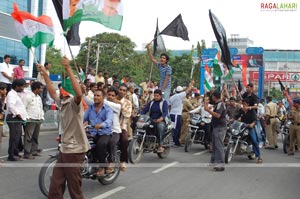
{"x": 181, "y": 175}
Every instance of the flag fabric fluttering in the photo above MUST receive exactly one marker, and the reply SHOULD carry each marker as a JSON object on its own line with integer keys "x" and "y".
{"x": 33, "y": 30}
{"x": 209, "y": 83}
{"x": 177, "y": 29}
{"x": 158, "y": 43}
{"x": 220, "y": 34}
{"x": 72, "y": 35}
{"x": 108, "y": 13}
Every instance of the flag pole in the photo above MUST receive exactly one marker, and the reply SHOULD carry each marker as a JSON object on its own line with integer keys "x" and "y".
{"x": 153, "y": 39}
{"x": 236, "y": 88}
{"x": 35, "y": 59}
{"x": 151, "y": 71}
{"x": 76, "y": 68}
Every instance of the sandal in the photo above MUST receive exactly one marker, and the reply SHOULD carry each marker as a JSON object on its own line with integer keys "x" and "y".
{"x": 100, "y": 172}
{"x": 110, "y": 168}
{"x": 123, "y": 166}
{"x": 160, "y": 149}
{"x": 259, "y": 161}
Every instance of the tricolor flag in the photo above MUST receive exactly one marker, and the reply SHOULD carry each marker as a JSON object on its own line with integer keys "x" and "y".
{"x": 106, "y": 12}
{"x": 209, "y": 83}
{"x": 33, "y": 31}
{"x": 123, "y": 80}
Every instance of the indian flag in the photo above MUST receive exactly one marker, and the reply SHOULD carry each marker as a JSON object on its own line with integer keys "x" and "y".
{"x": 33, "y": 31}
{"x": 208, "y": 79}
{"x": 123, "y": 80}
{"x": 106, "y": 12}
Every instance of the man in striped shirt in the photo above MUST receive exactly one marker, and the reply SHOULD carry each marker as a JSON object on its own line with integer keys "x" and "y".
{"x": 165, "y": 71}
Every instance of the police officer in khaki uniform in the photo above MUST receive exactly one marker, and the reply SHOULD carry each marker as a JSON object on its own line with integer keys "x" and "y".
{"x": 195, "y": 101}
{"x": 187, "y": 106}
{"x": 271, "y": 111}
{"x": 294, "y": 116}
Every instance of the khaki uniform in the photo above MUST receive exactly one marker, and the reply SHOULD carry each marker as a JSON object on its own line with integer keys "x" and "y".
{"x": 187, "y": 106}
{"x": 271, "y": 110}
{"x": 294, "y": 129}
{"x": 195, "y": 102}
{"x": 129, "y": 121}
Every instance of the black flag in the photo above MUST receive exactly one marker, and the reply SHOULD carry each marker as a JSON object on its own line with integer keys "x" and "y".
{"x": 158, "y": 44}
{"x": 281, "y": 85}
{"x": 240, "y": 87}
{"x": 177, "y": 29}
{"x": 72, "y": 36}
{"x": 221, "y": 38}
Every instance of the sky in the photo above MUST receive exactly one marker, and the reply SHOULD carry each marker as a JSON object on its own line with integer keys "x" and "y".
{"x": 267, "y": 28}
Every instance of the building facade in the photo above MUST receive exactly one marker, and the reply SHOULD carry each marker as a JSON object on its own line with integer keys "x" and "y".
{"x": 10, "y": 42}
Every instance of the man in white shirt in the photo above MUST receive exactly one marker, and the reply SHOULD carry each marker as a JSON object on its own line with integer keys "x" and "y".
{"x": 41, "y": 79}
{"x": 136, "y": 102}
{"x": 6, "y": 72}
{"x": 176, "y": 103}
{"x": 34, "y": 108}
{"x": 16, "y": 115}
{"x": 113, "y": 103}
{"x": 91, "y": 76}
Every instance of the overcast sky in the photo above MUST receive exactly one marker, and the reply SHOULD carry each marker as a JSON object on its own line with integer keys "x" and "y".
{"x": 268, "y": 29}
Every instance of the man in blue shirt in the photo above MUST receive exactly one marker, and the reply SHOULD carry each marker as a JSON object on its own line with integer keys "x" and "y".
{"x": 101, "y": 116}
{"x": 158, "y": 111}
{"x": 165, "y": 71}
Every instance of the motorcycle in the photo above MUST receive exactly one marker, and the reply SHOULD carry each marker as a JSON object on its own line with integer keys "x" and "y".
{"x": 145, "y": 139}
{"x": 239, "y": 141}
{"x": 196, "y": 134}
{"x": 284, "y": 129}
{"x": 88, "y": 170}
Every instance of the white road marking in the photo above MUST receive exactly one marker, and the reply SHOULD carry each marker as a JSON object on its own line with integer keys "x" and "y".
{"x": 200, "y": 153}
{"x": 165, "y": 167}
{"x": 50, "y": 149}
{"x": 109, "y": 193}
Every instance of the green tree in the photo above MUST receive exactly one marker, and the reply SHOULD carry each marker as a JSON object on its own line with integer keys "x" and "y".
{"x": 53, "y": 56}
{"x": 115, "y": 51}
{"x": 181, "y": 68}
{"x": 275, "y": 94}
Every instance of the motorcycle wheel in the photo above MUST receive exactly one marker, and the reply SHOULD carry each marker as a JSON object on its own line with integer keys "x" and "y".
{"x": 166, "y": 145}
{"x": 286, "y": 143}
{"x": 46, "y": 174}
{"x": 229, "y": 152}
{"x": 188, "y": 142}
{"x": 135, "y": 154}
{"x": 110, "y": 178}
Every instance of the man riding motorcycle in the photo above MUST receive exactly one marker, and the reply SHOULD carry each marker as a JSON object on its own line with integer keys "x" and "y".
{"x": 249, "y": 117}
{"x": 158, "y": 111}
{"x": 100, "y": 116}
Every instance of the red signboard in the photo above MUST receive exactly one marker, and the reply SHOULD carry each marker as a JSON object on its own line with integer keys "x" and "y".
{"x": 272, "y": 76}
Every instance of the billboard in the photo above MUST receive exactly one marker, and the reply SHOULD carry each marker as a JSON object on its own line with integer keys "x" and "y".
{"x": 251, "y": 61}
{"x": 272, "y": 76}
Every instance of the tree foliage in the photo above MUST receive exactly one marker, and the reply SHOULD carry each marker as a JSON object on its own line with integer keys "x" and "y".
{"x": 53, "y": 56}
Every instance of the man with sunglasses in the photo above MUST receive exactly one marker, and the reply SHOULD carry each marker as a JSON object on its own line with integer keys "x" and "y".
{"x": 294, "y": 116}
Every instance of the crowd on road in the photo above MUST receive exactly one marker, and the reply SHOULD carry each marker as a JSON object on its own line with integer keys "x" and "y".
{"x": 111, "y": 107}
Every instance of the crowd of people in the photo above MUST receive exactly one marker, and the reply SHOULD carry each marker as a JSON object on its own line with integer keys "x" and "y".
{"x": 111, "y": 107}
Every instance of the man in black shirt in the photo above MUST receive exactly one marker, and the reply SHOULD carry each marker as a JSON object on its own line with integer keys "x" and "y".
{"x": 249, "y": 117}
{"x": 253, "y": 99}
{"x": 218, "y": 133}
